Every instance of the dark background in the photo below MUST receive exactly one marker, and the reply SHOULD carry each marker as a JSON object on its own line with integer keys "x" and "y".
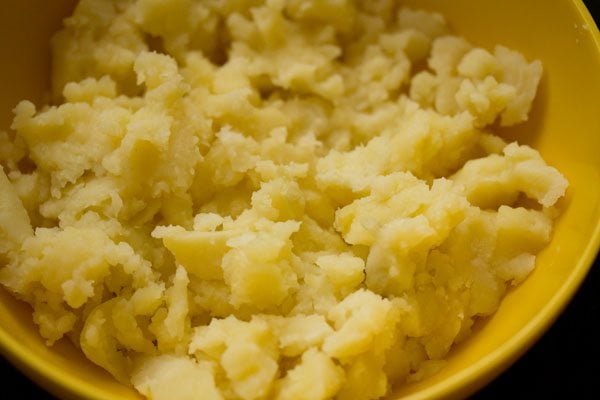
{"x": 565, "y": 362}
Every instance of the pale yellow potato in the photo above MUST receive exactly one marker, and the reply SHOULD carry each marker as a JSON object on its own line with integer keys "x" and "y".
{"x": 270, "y": 199}
{"x": 169, "y": 376}
{"x": 14, "y": 221}
{"x": 315, "y": 377}
{"x": 298, "y": 333}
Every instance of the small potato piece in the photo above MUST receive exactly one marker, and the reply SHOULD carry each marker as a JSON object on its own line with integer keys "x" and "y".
{"x": 299, "y": 333}
{"x": 344, "y": 271}
{"x": 247, "y": 352}
{"x": 316, "y": 377}
{"x": 168, "y": 377}
{"x": 496, "y": 179}
{"x": 14, "y": 221}
{"x": 358, "y": 320}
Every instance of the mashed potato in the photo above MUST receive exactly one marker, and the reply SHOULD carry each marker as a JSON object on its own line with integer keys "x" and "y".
{"x": 283, "y": 199}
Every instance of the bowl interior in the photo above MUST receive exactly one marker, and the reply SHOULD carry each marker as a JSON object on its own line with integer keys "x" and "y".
{"x": 564, "y": 126}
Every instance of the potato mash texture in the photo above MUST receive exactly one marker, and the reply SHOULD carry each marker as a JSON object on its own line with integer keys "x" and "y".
{"x": 270, "y": 199}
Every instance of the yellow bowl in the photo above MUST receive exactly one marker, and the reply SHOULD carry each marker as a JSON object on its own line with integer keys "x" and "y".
{"x": 565, "y": 127}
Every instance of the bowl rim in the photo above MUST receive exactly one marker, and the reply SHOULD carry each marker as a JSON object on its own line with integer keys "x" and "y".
{"x": 60, "y": 382}
{"x": 42, "y": 372}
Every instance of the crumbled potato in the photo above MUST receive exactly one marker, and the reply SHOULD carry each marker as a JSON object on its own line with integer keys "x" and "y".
{"x": 175, "y": 377}
{"x": 15, "y": 227}
{"x": 316, "y": 377}
{"x": 270, "y": 199}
